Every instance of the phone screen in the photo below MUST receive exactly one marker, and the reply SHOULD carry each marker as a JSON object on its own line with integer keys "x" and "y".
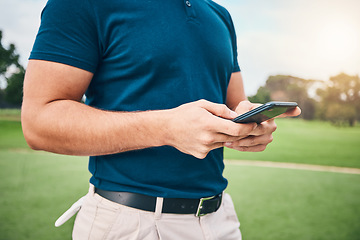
{"x": 265, "y": 112}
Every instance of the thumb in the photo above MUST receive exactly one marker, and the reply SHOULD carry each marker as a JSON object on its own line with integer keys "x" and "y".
{"x": 245, "y": 106}
{"x": 220, "y": 110}
{"x": 291, "y": 113}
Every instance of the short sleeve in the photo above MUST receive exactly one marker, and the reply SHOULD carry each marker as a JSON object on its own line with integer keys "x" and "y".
{"x": 68, "y": 35}
{"x": 236, "y": 64}
{"x": 234, "y": 45}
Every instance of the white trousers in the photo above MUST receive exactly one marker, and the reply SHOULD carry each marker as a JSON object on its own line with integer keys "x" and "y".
{"x": 100, "y": 219}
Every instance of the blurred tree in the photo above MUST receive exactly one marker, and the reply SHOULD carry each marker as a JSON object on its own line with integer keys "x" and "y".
{"x": 287, "y": 88}
{"x": 12, "y": 73}
{"x": 13, "y": 91}
{"x": 340, "y": 99}
{"x": 2, "y": 99}
{"x": 262, "y": 96}
{"x": 8, "y": 57}
{"x": 339, "y": 114}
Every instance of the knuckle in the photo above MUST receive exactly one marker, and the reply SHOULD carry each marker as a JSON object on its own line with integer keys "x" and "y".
{"x": 247, "y": 129}
{"x": 240, "y": 130}
{"x": 274, "y": 128}
{"x": 202, "y": 101}
{"x": 261, "y": 148}
{"x": 207, "y": 139}
{"x": 237, "y": 132}
{"x": 223, "y": 109}
{"x": 207, "y": 125}
{"x": 246, "y": 142}
{"x": 201, "y": 154}
{"x": 242, "y": 149}
{"x": 271, "y": 126}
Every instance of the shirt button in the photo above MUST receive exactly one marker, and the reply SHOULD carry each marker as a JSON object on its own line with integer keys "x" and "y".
{"x": 188, "y": 3}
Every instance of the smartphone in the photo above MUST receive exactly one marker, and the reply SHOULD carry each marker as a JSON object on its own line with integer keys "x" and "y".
{"x": 265, "y": 112}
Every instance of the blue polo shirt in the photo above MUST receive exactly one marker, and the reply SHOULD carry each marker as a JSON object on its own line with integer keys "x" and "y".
{"x": 146, "y": 55}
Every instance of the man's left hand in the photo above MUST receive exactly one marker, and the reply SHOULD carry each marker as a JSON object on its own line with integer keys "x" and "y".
{"x": 261, "y": 136}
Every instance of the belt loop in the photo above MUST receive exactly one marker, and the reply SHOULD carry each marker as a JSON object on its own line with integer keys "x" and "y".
{"x": 158, "y": 207}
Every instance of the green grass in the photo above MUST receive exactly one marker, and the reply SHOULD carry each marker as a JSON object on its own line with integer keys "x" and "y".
{"x": 286, "y": 204}
{"x": 307, "y": 142}
{"x": 273, "y": 204}
{"x": 36, "y": 188}
{"x": 11, "y": 136}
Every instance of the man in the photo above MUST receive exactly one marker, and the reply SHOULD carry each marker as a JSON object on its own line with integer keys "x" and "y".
{"x": 161, "y": 80}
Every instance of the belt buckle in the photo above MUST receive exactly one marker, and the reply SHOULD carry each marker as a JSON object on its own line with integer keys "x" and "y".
{"x": 200, "y": 206}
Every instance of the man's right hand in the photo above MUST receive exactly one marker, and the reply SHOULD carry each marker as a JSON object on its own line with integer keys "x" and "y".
{"x": 198, "y": 127}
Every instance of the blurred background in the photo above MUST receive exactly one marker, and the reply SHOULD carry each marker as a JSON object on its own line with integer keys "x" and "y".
{"x": 306, "y": 185}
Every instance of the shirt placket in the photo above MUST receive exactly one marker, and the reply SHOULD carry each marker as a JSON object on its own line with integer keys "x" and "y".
{"x": 190, "y": 11}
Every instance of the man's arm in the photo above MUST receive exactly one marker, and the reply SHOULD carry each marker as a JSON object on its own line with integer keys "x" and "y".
{"x": 55, "y": 120}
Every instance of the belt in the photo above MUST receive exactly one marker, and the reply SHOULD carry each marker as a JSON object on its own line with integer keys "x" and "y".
{"x": 199, "y": 207}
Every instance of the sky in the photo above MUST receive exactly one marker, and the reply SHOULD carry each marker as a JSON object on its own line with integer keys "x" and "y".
{"x": 311, "y": 39}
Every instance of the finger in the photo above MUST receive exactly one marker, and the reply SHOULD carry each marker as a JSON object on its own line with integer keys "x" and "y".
{"x": 252, "y": 141}
{"x": 224, "y": 138}
{"x": 203, "y": 149}
{"x": 264, "y": 128}
{"x": 220, "y": 125}
{"x": 245, "y": 106}
{"x": 257, "y": 148}
{"x": 230, "y": 128}
{"x": 209, "y": 139}
{"x": 217, "y": 109}
{"x": 291, "y": 113}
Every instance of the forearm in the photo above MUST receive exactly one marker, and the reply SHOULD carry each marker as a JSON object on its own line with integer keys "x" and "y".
{"x": 235, "y": 91}
{"x": 73, "y": 128}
